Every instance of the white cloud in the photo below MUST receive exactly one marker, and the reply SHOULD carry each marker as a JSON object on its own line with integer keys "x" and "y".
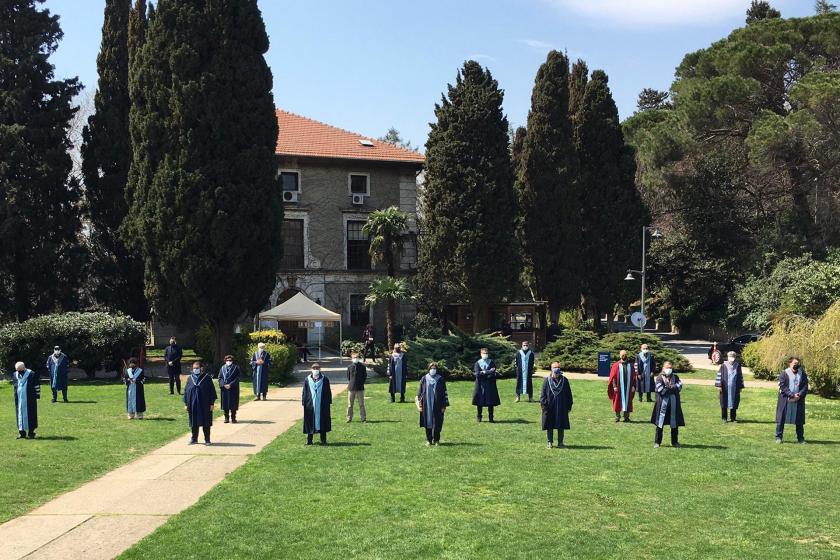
{"x": 479, "y": 56}
{"x": 540, "y": 46}
{"x": 656, "y": 12}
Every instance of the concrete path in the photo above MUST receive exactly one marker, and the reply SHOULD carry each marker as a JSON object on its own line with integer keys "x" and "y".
{"x": 104, "y": 517}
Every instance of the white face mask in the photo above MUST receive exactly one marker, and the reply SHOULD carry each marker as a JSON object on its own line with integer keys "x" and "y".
{"x": 316, "y": 373}
{"x": 644, "y": 352}
{"x": 356, "y": 360}
{"x": 525, "y": 348}
{"x": 731, "y": 359}
{"x": 432, "y": 371}
{"x": 57, "y": 352}
{"x": 196, "y": 371}
{"x": 485, "y": 356}
{"x": 667, "y": 371}
{"x": 228, "y": 363}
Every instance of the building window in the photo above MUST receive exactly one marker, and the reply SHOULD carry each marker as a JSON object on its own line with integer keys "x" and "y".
{"x": 359, "y": 311}
{"x": 290, "y": 181}
{"x": 292, "y": 232}
{"x": 359, "y": 184}
{"x": 358, "y": 245}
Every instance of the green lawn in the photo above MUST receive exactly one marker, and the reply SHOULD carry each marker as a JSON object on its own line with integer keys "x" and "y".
{"x": 495, "y": 491}
{"x": 80, "y": 440}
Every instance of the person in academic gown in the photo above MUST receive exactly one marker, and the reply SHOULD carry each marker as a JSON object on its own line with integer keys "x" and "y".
{"x": 229, "y": 388}
{"x": 261, "y": 364}
{"x": 432, "y": 401}
{"x": 525, "y": 372}
{"x": 316, "y": 400}
{"x": 369, "y": 343}
{"x": 556, "y": 403}
{"x": 58, "y": 364}
{"x": 27, "y": 389}
{"x": 790, "y": 408}
{"x": 397, "y": 373}
{"x": 667, "y": 411}
{"x": 199, "y": 402}
{"x": 729, "y": 381}
{"x": 621, "y": 386}
{"x": 485, "y": 392}
{"x": 135, "y": 392}
{"x": 645, "y": 372}
{"x": 356, "y": 377}
{"x": 172, "y": 355}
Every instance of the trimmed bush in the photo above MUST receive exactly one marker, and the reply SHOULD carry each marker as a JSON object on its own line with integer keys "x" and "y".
{"x": 577, "y": 350}
{"x": 274, "y": 336}
{"x": 456, "y": 354}
{"x": 92, "y": 341}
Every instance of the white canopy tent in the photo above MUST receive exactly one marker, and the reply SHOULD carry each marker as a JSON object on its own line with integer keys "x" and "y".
{"x": 301, "y": 309}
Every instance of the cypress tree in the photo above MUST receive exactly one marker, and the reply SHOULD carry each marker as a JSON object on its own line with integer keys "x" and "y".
{"x": 137, "y": 24}
{"x": 546, "y": 188}
{"x": 115, "y": 275}
{"x": 578, "y": 78}
{"x": 39, "y": 199}
{"x": 468, "y": 249}
{"x": 611, "y": 206}
{"x": 205, "y": 202}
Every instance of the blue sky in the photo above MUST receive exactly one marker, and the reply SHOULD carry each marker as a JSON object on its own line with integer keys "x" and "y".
{"x": 368, "y": 65}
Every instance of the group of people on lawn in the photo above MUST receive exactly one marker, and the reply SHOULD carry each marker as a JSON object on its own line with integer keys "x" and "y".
{"x": 628, "y": 379}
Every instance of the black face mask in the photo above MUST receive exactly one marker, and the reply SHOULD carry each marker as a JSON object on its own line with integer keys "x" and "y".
{"x": 795, "y": 368}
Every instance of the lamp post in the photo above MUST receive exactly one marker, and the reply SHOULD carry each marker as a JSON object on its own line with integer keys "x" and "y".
{"x": 655, "y": 233}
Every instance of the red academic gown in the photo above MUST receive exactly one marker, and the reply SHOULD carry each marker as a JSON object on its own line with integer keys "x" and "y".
{"x": 614, "y": 387}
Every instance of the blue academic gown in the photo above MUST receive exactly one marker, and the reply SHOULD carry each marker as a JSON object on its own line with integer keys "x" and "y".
{"x": 30, "y": 389}
{"x": 321, "y": 408}
{"x": 230, "y": 397}
{"x": 136, "y": 395}
{"x": 199, "y": 396}
{"x": 398, "y": 378}
{"x": 260, "y": 378}
{"x": 527, "y": 372}
{"x": 58, "y": 368}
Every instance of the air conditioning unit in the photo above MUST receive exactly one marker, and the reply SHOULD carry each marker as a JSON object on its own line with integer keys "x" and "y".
{"x": 358, "y": 199}
{"x": 290, "y": 196}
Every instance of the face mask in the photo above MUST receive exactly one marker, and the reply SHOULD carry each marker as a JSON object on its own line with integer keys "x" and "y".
{"x": 196, "y": 371}
{"x": 433, "y": 371}
{"x": 396, "y": 350}
{"x": 485, "y": 356}
{"x": 731, "y": 359}
{"x": 556, "y": 371}
{"x": 228, "y": 363}
{"x": 57, "y": 352}
{"x": 795, "y": 368}
{"x": 525, "y": 348}
{"x": 316, "y": 373}
{"x": 623, "y": 358}
{"x": 355, "y": 360}
{"x": 667, "y": 371}
{"x": 644, "y": 352}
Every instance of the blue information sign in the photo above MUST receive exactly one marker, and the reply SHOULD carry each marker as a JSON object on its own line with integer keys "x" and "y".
{"x": 603, "y": 364}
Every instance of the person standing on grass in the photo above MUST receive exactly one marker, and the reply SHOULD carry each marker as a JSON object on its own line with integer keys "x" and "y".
{"x": 729, "y": 381}
{"x": 199, "y": 402}
{"x": 369, "y": 343}
{"x": 485, "y": 392}
{"x": 556, "y": 403}
{"x": 229, "y": 388}
{"x": 645, "y": 372}
{"x": 667, "y": 411}
{"x": 316, "y": 400}
{"x": 58, "y": 364}
{"x": 525, "y": 372}
{"x": 621, "y": 386}
{"x": 172, "y": 356}
{"x": 27, "y": 388}
{"x": 397, "y": 372}
{"x": 135, "y": 392}
{"x": 356, "y": 377}
{"x": 260, "y": 364}
{"x": 432, "y": 401}
{"x": 790, "y": 408}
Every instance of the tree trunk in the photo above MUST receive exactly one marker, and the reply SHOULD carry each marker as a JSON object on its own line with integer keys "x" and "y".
{"x": 222, "y": 331}
{"x": 390, "y": 311}
{"x": 481, "y": 315}
{"x": 444, "y": 322}
{"x": 610, "y": 320}
{"x": 553, "y": 313}
{"x": 582, "y": 308}
{"x": 596, "y": 316}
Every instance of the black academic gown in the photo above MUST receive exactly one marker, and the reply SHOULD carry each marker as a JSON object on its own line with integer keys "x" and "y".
{"x": 140, "y": 397}
{"x": 556, "y": 406}
{"x": 229, "y": 397}
{"x": 785, "y": 395}
{"x": 663, "y": 391}
{"x": 33, "y": 393}
{"x": 485, "y": 392}
{"x": 433, "y": 418}
{"x": 640, "y": 373}
{"x": 529, "y": 383}
{"x": 722, "y": 382}
{"x": 199, "y": 396}
{"x": 309, "y": 410}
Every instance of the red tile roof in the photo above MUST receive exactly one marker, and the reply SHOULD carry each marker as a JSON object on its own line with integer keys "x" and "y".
{"x": 303, "y": 137}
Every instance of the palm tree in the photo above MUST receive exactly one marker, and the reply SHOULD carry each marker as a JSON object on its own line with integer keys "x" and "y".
{"x": 385, "y": 229}
{"x": 389, "y": 290}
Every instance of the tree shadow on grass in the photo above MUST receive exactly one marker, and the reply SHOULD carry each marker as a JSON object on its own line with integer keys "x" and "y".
{"x": 348, "y": 444}
{"x": 56, "y": 438}
{"x": 460, "y": 444}
{"x": 382, "y": 422}
{"x": 754, "y": 422}
{"x": 701, "y": 446}
{"x": 823, "y": 442}
{"x": 81, "y": 402}
{"x": 514, "y": 421}
{"x": 588, "y": 447}
{"x": 159, "y": 419}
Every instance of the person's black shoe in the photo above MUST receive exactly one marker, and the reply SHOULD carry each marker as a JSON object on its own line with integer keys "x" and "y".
{"x": 626, "y": 419}
{"x": 54, "y": 400}
{"x": 308, "y": 443}
{"x": 65, "y": 400}
{"x": 478, "y": 418}
{"x": 32, "y": 436}
{"x": 21, "y": 436}
{"x": 171, "y": 392}
{"x": 227, "y": 420}
{"x": 617, "y": 419}
{"x": 492, "y": 421}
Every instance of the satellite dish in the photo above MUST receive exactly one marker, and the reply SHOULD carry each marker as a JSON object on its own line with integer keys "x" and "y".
{"x": 638, "y": 319}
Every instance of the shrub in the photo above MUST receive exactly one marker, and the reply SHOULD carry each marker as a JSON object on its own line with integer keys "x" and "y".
{"x": 349, "y": 346}
{"x": 578, "y": 350}
{"x": 91, "y": 340}
{"x": 456, "y": 354}
{"x": 423, "y": 326}
{"x": 568, "y": 319}
{"x": 275, "y": 336}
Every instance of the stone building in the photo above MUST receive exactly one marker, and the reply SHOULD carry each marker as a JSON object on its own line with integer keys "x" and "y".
{"x": 331, "y": 180}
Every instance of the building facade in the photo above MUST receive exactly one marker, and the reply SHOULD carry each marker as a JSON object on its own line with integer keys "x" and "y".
{"x": 332, "y": 180}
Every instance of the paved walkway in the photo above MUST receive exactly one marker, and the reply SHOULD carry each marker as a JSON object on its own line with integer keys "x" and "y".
{"x": 104, "y": 517}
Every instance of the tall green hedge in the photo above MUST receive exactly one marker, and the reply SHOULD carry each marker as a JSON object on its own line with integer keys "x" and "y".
{"x": 93, "y": 341}
{"x": 577, "y": 350}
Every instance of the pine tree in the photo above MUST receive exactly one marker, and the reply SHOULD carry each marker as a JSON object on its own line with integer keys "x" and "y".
{"x": 39, "y": 199}
{"x": 760, "y": 10}
{"x": 548, "y": 219}
{"x": 822, "y": 7}
{"x": 467, "y": 249}
{"x": 612, "y": 210}
{"x": 115, "y": 274}
{"x": 205, "y": 204}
